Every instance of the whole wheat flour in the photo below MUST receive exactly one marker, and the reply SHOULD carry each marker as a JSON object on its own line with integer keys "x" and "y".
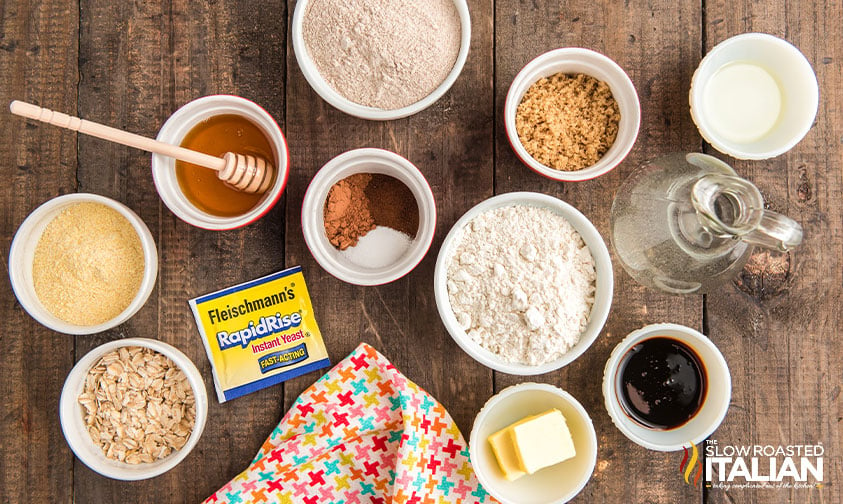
{"x": 521, "y": 283}
{"x": 386, "y": 54}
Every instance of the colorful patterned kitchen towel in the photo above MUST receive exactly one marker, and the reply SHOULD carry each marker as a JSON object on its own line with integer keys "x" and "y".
{"x": 363, "y": 433}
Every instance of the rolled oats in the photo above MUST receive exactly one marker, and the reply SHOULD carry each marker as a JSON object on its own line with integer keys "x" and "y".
{"x": 138, "y": 405}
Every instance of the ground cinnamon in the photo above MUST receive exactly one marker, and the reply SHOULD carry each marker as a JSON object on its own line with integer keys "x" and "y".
{"x": 360, "y": 202}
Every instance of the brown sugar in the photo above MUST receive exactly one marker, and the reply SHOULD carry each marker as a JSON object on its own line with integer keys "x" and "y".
{"x": 567, "y": 122}
{"x": 359, "y": 203}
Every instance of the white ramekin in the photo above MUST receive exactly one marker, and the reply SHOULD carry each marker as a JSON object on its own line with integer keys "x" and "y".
{"x": 22, "y": 254}
{"x": 313, "y": 218}
{"x": 311, "y": 73}
{"x": 715, "y": 405}
{"x": 573, "y": 60}
{"x": 602, "y": 298}
{"x": 174, "y": 131}
{"x": 790, "y": 69}
{"x": 553, "y": 485}
{"x": 72, "y": 414}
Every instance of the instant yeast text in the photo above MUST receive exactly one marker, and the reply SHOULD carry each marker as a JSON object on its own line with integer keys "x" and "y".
{"x": 259, "y": 333}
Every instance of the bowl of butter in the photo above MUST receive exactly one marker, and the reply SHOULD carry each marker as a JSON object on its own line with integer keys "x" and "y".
{"x": 533, "y": 443}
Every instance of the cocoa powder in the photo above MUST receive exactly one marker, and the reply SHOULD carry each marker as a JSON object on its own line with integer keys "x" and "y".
{"x": 360, "y": 202}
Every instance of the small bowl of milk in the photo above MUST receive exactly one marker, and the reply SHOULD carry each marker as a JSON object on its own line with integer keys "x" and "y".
{"x": 754, "y": 96}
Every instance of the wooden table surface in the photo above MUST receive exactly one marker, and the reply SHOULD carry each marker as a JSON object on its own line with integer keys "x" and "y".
{"x": 131, "y": 64}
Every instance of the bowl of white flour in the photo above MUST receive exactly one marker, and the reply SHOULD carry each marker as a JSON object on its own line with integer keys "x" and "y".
{"x": 524, "y": 283}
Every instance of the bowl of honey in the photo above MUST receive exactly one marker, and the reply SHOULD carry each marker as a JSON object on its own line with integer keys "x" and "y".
{"x": 667, "y": 387}
{"x": 215, "y": 125}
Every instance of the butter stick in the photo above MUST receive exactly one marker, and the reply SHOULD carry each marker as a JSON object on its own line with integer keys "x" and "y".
{"x": 542, "y": 441}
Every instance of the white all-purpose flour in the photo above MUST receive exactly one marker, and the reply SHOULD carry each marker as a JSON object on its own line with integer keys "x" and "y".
{"x": 521, "y": 283}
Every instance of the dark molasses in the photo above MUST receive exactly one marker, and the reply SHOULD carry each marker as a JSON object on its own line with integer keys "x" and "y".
{"x": 661, "y": 382}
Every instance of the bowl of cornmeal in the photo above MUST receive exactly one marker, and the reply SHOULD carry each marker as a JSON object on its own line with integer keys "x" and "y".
{"x": 523, "y": 283}
{"x": 82, "y": 263}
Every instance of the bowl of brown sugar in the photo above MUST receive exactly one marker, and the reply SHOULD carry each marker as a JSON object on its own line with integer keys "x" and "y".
{"x": 572, "y": 114}
{"x": 82, "y": 263}
{"x": 368, "y": 216}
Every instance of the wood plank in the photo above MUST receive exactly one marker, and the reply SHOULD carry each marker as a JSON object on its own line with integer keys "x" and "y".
{"x": 451, "y": 143}
{"x": 658, "y": 44}
{"x": 140, "y": 62}
{"x": 780, "y": 331}
{"x": 38, "y": 61}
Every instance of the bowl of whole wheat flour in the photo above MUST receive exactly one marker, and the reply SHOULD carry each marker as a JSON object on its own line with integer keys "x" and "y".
{"x": 524, "y": 283}
{"x": 381, "y": 59}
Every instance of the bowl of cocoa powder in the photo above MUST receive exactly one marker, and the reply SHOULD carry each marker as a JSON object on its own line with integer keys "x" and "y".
{"x": 572, "y": 114}
{"x": 368, "y": 216}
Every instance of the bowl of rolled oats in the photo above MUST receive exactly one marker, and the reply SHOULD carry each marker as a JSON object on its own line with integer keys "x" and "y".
{"x": 133, "y": 408}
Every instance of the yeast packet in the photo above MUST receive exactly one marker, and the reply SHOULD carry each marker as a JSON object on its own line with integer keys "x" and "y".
{"x": 259, "y": 333}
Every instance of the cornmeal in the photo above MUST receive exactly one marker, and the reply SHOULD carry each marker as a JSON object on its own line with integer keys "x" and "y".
{"x": 88, "y": 264}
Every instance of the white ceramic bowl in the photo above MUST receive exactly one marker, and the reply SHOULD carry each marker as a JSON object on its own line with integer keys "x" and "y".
{"x": 603, "y": 295}
{"x": 323, "y": 89}
{"x": 573, "y": 60}
{"x": 174, "y": 131}
{"x": 313, "y": 219}
{"x": 22, "y": 253}
{"x": 71, "y": 413}
{"x": 797, "y": 82}
{"x": 715, "y": 404}
{"x": 552, "y": 485}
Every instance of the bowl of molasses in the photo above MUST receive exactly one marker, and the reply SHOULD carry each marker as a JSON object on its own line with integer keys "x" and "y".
{"x": 666, "y": 387}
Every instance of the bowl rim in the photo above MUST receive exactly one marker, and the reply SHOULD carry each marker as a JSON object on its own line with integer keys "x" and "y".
{"x": 68, "y": 406}
{"x": 198, "y": 106}
{"x": 17, "y": 276}
{"x": 696, "y": 90}
{"x": 621, "y": 422}
{"x": 333, "y": 98}
{"x": 508, "y": 392}
{"x": 604, "y": 164}
{"x": 599, "y": 311}
{"x": 313, "y": 201}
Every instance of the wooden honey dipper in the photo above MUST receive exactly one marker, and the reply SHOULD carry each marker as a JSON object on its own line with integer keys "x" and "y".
{"x": 243, "y": 172}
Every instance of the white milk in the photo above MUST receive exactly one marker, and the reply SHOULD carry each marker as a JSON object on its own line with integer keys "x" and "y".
{"x": 742, "y": 102}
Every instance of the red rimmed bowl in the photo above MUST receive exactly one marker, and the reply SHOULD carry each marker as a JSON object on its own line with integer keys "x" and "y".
{"x": 185, "y": 119}
{"x": 575, "y": 60}
{"x": 313, "y": 218}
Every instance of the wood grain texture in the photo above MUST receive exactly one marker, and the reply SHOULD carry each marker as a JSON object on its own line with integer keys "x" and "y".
{"x": 451, "y": 143}
{"x": 38, "y": 57}
{"x": 780, "y": 332}
{"x": 131, "y": 64}
{"x": 38, "y": 61}
{"x": 139, "y": 62}
{"x": 658, "y": 44}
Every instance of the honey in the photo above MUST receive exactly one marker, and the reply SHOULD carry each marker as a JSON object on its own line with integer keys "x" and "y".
{"x": 216, "y": 136}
